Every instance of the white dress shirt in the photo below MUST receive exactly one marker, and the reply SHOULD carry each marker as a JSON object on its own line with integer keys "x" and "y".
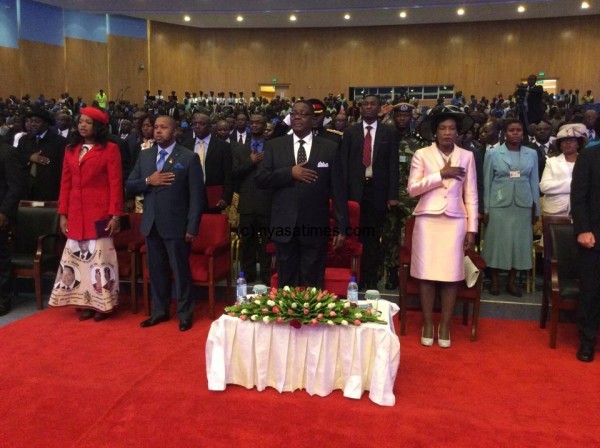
{"x": 307, "y": 145}
{"x": 369, "y": 169}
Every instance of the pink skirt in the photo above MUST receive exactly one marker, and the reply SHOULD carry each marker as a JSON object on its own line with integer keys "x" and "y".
{"x": 437, "y": 248}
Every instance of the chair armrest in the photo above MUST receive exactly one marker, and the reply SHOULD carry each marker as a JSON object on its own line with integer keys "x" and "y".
{"x": 476, "y": 259}
{"x": 43, "y": 243}
{"x": 554, "y": 276}
{"x": 135, "y": 245}
{"x": 218, "y": 249}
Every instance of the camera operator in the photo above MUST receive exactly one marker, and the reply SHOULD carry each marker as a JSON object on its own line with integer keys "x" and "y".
{"x": 529, "y": 102}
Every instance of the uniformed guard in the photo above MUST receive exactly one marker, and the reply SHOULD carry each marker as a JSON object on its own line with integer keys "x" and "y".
{"x": 409, "y": 143}
{"x": 318, "y": 129}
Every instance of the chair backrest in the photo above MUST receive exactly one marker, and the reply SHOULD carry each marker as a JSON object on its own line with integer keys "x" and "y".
{"x": 547, "y": 222}
{"x": 122, "y": 239}
{"x": 34, "y": 219}
{"x": 342, "y": 258}
{"x": 214, "y": 230}
{"x": 564, "y": 248}
{"x": 408, "y": 232}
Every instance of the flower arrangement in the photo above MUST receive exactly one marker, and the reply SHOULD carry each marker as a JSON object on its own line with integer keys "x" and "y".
{"x": 299, "y": 306}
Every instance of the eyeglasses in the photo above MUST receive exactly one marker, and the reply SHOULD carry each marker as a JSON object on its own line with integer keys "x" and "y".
{"x": 302, "y": 114}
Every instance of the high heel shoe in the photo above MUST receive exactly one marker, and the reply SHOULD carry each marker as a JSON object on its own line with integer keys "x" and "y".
{"x": 427, "y": 342}
{"x": 444, "y": 343}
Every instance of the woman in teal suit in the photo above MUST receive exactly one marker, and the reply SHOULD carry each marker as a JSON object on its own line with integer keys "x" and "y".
{"x": 512, "y": 205}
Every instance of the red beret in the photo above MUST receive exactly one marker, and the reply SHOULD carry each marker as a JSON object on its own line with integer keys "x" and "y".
{"x": 95, "y": 114}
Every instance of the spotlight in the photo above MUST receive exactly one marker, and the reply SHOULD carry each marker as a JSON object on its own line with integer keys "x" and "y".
{"x": 403, "y": 15}
{"x": 460, "y": 12}
{"x": 187, "y": 18}
{"x": 293, "y": 18}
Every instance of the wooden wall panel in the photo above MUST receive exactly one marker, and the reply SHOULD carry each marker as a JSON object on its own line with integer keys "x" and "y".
{"x": 86, "y": 68}
{"x": 42, "y": 69}
{"x": 479, "y": 58}
{"x": 9, "y": 74}
{"x": 126, "y": 79}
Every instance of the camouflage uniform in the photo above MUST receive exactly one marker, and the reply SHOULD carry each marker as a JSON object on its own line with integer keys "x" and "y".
{"x": 409, "y": 142}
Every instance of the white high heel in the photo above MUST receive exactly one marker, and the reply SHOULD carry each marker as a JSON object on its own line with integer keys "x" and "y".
{"x": 444, "y": 343}
{"x": 427, "y": 342}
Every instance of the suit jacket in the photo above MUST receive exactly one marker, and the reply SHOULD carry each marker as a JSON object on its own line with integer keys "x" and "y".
{"x": 45, "y": 186}
{"x": 252, "y": 199}
{"x": 233, "y": 137}
{"x": 90, "y": 190}
{"x": 500, "y": 190}
{"x": 556, "y": 185}
{"x": 585, "y": 194}
{"x": 12, "y": 181}
{"x": 535, "y": 109}
{"x": 217, "y": 164}
{"x": 175, "y": 209}
{"x": 299, "y": 204}
{"x": 384, "y": 161}
{"x": 457, "y": 198}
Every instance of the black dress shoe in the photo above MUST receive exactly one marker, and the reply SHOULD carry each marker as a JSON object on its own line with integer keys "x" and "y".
{"x": 185, "y": 325}
{"x": 154, "y": 321}
{"x": 99, "y": 317}
{"x": 585, "y": 353}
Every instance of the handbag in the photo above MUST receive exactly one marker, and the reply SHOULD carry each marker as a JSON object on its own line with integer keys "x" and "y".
{"x": 471, "y": 272}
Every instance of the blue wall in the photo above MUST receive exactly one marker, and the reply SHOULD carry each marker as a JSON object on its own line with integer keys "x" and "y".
{"x": 9, "y": 29}
{"x": 38, "y": 22}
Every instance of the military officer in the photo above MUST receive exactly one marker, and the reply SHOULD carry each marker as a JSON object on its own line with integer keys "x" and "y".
{"x": 409, "y": 142}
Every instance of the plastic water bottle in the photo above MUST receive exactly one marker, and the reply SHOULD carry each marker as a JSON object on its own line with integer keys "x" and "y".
{"x": 241, "y": 288}
{"x": 352, "y": 294}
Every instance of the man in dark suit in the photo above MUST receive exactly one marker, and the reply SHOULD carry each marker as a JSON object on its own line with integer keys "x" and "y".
{"x": 585, "y": 208}
{"x": 41, "y": 153}
{"x": 170, "y": 178}
{"x": 304, "y": 172}
{"x": 239, "y": 134}
{"x": 254, "y": 204}
{"x": 370, "y": 160}
{"x": 529, "y": 97}
{"x": 12, "y": 185}
{"x": 215, "y": 158}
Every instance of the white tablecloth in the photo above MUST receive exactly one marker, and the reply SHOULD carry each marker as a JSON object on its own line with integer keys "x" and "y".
{"x": 318, "y": 359}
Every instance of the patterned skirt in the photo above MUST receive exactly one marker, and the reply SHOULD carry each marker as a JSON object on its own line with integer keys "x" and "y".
{"x": 88, "y": 276}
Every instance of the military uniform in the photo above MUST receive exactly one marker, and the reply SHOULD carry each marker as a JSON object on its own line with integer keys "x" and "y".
{"x": 330, "y": 134}
{"x": 409, "y": 143}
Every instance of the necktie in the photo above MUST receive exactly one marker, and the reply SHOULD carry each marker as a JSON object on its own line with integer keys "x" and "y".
{"x": 301, "y": 152}
{"x": 367, "y": 147}
{"x": 241, "y": 140}
{"x": 161, "y": 159}
{"x": 33, "y": 169}
{"x": 591, "y": 134}
{"x": 200, "y": 150}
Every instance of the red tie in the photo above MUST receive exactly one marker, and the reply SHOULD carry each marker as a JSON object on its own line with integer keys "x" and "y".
{"x": 367, "y": 147}
{"x": 241, "y": 141}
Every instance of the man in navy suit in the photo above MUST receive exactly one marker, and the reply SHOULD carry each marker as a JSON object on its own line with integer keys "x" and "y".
{"x": 170, "y": 178}
{"x": 304, "y": 172}
{"x": 370, "y": 157}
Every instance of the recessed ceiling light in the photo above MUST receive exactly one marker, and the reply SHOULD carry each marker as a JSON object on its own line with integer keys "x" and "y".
{"x": 239, "y": 18}
{"x": 187, "y": 18}
{"x": 585, "y": 5}
{"x": 521, "y": 8}
{"x": 403, "y": 15}
{"x": 293, "y": 18}
{"x": 347, "y": 16}
{"x": 460, "y": 12}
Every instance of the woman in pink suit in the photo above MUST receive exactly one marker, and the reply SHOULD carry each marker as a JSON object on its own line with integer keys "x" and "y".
{"x": 443, "y": 176}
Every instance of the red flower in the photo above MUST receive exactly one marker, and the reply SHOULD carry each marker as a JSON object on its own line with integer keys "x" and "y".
{"x": 279, "y": 320}
{"x": 354, "y": 305}
{"x": 290, "y": 311}
{"x": 295, "y": 323}
{"x": 243, "y": 317}
{"x": 232, "y": 314}
{"x": 357, "y": 322}
{"x": 345, "y": 311}
{"x": 320, "y": 316}
{"x": 333, "y": 314}
{"x": 315, "y": 322}
{"x": 306, "y": 312}
{"x": 276, "y": 310}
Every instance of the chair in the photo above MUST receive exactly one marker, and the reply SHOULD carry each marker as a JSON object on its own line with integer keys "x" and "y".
{"x": 341, "y": 264}
{"x": 409, "y": 286}
{"x": 547, "y": 222}
{"x": 210, "y": 258}
{"x": 36, "y": 243}
{"x": 565, "y": 286}
{"x": 127, "y": 244}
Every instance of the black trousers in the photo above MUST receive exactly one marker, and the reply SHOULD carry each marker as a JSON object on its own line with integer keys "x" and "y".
{"x": 251, "y": 244}
{"x": 371, "y": 224}
{"x": 5, "y": 268}
{"x": 301, "y": 264}
{"x": 166, "y": 255}
{"x": 589, "y": 297}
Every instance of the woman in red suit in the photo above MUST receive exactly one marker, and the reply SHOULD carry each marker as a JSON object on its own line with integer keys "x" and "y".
{"x": 444, "y": 178}
{"x": 90, "y": 201}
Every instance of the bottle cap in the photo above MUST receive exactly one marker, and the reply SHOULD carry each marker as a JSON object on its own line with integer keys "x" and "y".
{"x": 241, "y": 274}
{"x": 353, "y": 278}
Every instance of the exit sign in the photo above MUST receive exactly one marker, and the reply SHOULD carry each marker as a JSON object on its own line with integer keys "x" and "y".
{"x": 542, "y": 74}
{"x": 274, "y": 80}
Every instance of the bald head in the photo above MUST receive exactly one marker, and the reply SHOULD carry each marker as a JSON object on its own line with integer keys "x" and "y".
{"x": 590, "y": 118}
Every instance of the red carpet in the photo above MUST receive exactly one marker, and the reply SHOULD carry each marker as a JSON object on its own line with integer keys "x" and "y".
{"x": 86, "y": 384}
